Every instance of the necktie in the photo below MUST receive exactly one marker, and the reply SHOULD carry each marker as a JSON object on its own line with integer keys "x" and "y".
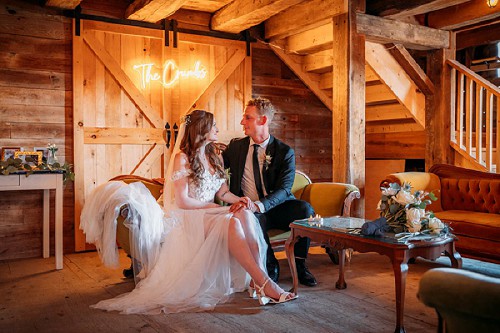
{"x": 256, "y": 170}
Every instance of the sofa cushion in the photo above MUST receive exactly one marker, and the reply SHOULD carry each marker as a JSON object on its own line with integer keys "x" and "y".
{"x": 419, "y": 181}
{"x": 472, "y": 224}
{"x": 478, "y": 195}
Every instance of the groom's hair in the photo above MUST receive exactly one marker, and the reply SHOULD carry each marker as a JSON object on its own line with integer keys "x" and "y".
{"x": 263, "y": 106}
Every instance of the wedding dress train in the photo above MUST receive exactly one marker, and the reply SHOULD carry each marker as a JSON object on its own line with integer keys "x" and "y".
{"x": 194, "y": 270}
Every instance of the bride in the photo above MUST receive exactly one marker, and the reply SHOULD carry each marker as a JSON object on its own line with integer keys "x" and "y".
{"x": 208, "y": 251}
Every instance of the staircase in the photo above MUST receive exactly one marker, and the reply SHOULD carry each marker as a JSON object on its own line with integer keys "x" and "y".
{"x": 396, "y": 87}
{"x": 475, "y": 119}
{"x": 394, "y": 101}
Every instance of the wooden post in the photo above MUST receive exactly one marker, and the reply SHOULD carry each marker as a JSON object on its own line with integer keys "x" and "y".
{"x": 348, "y": 128}
{"x": 438, "y": 107}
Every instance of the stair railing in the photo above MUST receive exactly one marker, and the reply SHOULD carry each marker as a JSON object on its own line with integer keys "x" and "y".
{"x": 475, "y": 118}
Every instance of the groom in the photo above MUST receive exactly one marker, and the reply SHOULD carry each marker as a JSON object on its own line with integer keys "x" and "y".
{"x": 263, "y": 169}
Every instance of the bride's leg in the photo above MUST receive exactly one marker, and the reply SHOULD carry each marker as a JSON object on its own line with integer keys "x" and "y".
{"x": 239, "y": 249}
{"x": 249, "y": 223}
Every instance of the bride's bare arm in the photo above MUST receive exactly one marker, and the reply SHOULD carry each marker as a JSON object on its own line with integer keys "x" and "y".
{"x": 237, "y": 202}
{"x": 225, "y": 195}
{"x": 182, "y": 198}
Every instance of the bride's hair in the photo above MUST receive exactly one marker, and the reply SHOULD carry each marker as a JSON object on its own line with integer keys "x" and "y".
{"x": 198, "y": 125}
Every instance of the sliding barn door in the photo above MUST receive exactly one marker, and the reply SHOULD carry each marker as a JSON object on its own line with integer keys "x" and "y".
{"x": 128, "y": 85}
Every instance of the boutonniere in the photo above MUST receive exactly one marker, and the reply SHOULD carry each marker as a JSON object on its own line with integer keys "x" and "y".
{"x": 267, "y": 161}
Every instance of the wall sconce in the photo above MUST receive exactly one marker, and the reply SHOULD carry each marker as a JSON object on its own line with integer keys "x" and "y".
{"x": 492, "y": 3}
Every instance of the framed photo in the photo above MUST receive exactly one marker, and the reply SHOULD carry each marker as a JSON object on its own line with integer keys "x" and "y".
{"x": 8, "y": 152}
{"x": 35, "y": 155}
{"x": 44, "y": 151}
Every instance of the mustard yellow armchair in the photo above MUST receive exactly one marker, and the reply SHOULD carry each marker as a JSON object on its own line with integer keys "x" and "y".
{"x": 327, "y": 199}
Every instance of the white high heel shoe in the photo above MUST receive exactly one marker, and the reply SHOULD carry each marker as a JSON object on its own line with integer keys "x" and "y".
{"x": 252, "y": 292}
{"x": 264, "y": 299}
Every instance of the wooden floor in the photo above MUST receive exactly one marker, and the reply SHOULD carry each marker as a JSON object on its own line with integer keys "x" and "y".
{"x": 37, "y": 298}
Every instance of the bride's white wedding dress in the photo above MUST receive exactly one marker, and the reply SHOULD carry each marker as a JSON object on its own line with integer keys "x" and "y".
{"x": 194, "y": 270}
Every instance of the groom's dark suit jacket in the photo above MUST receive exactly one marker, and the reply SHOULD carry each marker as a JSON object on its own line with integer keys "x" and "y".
{"x": 278, "y": 176}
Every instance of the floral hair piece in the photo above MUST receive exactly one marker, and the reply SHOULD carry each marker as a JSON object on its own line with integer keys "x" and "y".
{"x": 186, "y": 119}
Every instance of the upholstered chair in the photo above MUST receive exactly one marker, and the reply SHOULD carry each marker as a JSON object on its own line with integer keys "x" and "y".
{"x": 465, "y": 302}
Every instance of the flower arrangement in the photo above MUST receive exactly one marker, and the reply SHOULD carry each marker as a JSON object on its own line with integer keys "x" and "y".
{"x": 16, "y": 165}
{"x": 267, "y": 161}
{"x": 405, "y": 212}
{"x": 52, "y": 148}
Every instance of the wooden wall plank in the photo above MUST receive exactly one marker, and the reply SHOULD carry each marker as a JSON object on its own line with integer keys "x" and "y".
{"x": 34, "y": 79}
{"x": 36, "y": 98}
{"x": 42, "y": 27}
{"x": 36, "y": 113}
{"x": 403, "y": 145}
{"x": 41, "y": 97}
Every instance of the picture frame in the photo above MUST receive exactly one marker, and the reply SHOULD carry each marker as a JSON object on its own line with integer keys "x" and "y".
{"x": 8, "y": 152}
{"x": 44, "y": 151}
{"x": 36, "y": 155}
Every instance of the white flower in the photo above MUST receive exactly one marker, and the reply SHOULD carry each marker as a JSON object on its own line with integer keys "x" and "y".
{"x": 52, "y": 147}
{"x": 404, "y": 198}
{"x": 388, "y": 192}
{"x": 435, "y": 225}
{"x": 414, "y": 215}
{"x": 414, "y": 227}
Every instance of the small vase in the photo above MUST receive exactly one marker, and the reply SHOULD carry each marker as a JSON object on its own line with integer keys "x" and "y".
{"x": 52, "y": 158}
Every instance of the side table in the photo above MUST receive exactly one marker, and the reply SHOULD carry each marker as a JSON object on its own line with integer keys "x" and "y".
{"x": 45, "y": 182}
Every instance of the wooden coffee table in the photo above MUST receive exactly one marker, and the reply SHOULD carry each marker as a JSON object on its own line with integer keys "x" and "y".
{"x": 336, "y": 233}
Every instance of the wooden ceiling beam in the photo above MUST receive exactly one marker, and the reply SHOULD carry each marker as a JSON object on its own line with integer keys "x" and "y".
{"x": 66, "y": 4}
{"x": 321, "y": 38}
{"x": 480, "y": 36}
{"x": 304, "y": 16}
{"x": 152, "y": 10}
{"x": 398, "y": 8}
{"x": 458, "y": 16}
{"x": 243, "y": 14}
{"x": 381, "y": 30}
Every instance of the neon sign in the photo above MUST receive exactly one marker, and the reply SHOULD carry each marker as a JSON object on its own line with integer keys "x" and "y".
{"x": 170, "y": 73}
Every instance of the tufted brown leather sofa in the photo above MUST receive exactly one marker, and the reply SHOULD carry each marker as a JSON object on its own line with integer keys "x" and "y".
{"x": 468, "y": 200}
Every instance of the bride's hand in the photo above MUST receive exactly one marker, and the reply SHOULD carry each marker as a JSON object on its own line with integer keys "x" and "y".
{"x": 237, "y": 206}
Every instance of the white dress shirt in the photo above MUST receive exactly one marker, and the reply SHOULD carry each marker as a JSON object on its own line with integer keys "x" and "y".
{"x": 248, "y": 180}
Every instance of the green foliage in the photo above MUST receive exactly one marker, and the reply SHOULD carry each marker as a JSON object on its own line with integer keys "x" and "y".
{"x": 16, "y": 165}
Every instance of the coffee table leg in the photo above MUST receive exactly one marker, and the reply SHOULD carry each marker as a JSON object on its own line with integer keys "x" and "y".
{"x": 400, "y": 266}
{"x": 289, "y": 248}
{"x": 341, "y": 282}
{"x": 455, "y": 257}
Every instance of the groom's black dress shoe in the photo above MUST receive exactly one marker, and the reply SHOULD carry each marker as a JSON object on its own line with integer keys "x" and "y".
{"x": 128, "y": 273}
{"x": 305, "y": 277}
{"x": 273, "y": 270}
